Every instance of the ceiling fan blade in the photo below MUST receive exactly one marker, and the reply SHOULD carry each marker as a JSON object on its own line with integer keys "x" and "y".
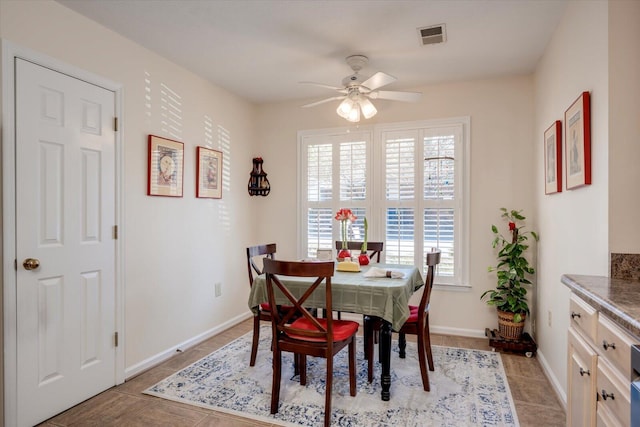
{"x": 396, "y": 96}
{"x": 379, "y": 79}
{"x": 339, "y": 89}
{"x": 313, "y": 104}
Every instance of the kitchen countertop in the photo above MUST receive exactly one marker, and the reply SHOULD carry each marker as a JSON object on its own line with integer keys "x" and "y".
{"x": 619, "y": 299}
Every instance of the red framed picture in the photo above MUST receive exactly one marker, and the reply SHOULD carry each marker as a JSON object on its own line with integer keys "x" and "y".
{"x": 577, "y": 142}
{"x": 553, "y": 158}
{"x": 165, "y": 167}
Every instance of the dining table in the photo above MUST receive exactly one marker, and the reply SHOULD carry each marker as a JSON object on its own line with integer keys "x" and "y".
{"x": 384, "y": 298}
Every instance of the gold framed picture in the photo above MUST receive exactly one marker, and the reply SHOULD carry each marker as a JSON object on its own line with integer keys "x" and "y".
{"x": 208, "y": 173}
{"x": 165, "y": 167}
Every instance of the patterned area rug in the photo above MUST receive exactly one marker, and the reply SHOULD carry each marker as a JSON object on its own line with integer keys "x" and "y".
{"x": 468, "y": 388}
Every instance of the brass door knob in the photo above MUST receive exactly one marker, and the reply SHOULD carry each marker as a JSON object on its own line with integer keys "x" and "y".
{"x": 31, "y": 264}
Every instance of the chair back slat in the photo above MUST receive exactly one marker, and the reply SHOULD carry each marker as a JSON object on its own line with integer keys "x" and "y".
{"x": 268, "y": 251}
{"x": 433, "y": 259}
{"x": 374, "y": 249}
{"x": 323, "y": 271}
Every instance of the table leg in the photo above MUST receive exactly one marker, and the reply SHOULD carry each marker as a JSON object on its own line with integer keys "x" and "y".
{"x": 385, "y": 359}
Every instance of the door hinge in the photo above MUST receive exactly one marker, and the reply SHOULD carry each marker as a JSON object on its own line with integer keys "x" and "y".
{"x": 15, "y": 264}
{"x": 115, "y": 124}
{"x": 115, "y": 338}
{"x": 115, "y": 232}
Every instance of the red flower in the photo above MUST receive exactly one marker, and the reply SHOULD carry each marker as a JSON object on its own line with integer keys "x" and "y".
{"x": 512, "y": 226}
{"x": 345, "y": 214}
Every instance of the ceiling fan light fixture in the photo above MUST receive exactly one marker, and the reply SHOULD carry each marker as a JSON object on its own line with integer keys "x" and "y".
{"x": 354, "y": 114}
{"x": 346, "y": 107}
{"x": 368, "y": 109}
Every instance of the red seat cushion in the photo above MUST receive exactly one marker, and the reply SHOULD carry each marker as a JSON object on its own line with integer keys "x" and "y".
{"x": 413, "y": 314}
{"x": 342, "y": 329}
{"x": 413, "y": 317}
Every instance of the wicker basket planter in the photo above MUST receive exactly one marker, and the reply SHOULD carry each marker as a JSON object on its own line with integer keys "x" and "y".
{"x": 507, "y": 328}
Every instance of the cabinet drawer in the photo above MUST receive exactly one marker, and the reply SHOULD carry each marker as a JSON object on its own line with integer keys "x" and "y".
{"x": 606, "y": 418}
{"x": 581, "y": 382}
{"x": 614, "y": 344}
{"x": 583, "y": 317}
{"x": 613, "y": 394}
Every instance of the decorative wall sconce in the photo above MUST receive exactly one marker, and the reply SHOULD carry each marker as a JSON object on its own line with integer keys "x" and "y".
{"x": 258, "y": 182}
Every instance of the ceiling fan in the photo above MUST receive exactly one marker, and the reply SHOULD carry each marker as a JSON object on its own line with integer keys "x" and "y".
{"x": 357, "y": 91}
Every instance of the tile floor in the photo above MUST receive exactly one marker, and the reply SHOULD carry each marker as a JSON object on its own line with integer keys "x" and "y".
{"x": 125, "y": 405}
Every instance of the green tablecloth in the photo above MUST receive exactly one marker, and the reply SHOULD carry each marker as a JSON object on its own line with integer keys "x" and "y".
{"x": 352, "y": 292}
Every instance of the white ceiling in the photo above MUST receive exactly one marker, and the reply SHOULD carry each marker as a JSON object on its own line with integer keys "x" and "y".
{"x": 262, "y": 49}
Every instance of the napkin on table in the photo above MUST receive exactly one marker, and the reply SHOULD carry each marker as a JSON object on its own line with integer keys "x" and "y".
{"x": 381, "y": 272}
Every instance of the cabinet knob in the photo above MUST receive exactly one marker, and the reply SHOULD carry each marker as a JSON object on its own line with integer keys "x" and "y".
{"x": 574, "y": 315}
{"x": 606, "y": 395}
{"x": 584, "y": 372}
{"x": 607, "y": 345}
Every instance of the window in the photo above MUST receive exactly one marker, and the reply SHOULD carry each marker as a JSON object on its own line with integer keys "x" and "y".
{"x": 410, "y": 180}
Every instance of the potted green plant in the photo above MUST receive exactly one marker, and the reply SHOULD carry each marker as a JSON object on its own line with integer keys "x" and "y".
{"x": 512, "y": 270}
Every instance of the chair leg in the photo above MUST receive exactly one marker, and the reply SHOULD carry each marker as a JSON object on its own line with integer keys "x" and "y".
{"x": 368, "y": 346}
{"x": 352, "y": 367}
{"x": 275, "y": 386}
{"x": 303, "y": 368}
{"x": 256, "y": 340}
{"x": 402, "y": 345}
{"x": 327, "y": 401}
{"x": 427, "y": 344}
{"x": 423, "y": 363}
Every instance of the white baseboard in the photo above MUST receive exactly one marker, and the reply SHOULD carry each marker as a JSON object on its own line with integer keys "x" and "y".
{"x": 552, "y": 379}
{"x": 152, "y": 361}
{"x": 444, "y": 330}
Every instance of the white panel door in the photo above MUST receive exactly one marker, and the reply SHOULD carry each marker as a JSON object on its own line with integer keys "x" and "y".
{"x": 65, "y": 212}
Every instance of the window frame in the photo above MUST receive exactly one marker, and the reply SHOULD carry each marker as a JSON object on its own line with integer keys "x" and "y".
{"x": 375, "y": 202}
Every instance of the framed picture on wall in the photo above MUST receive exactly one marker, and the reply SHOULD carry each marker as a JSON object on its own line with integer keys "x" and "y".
{"x": 165, "y": 167}
{"x": 577, "y": 142}
{"x": 553, "y": 158}
{"x": 209, "y": 173}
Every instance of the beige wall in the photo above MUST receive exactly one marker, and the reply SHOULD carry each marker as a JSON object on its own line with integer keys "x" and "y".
{"x": 624, "y": 126}
{"x": 175, "y": 249}
{"x": 573, "y": 224}
{"x": 502, "y": 147}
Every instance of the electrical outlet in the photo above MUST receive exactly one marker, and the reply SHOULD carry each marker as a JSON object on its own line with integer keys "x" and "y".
{"x": 549, "y": 318}
{"x": 218, "y": 289}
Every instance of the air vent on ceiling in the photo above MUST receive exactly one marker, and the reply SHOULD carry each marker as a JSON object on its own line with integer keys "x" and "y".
{"x": 432, "y": 35}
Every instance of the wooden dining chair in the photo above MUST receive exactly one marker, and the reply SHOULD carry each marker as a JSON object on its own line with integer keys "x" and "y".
{"x": 417, "y": 324}
{"x": 374, "y": 249}
{"x": 266, "y": 251}
{"x": 307, "y": 335}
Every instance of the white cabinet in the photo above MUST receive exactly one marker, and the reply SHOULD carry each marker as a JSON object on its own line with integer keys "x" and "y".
{"x": 599, "y": 370}
{"x": 581, "y": 405}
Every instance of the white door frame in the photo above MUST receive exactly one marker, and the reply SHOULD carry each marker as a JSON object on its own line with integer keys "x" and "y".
{"x": 11, "y": 51}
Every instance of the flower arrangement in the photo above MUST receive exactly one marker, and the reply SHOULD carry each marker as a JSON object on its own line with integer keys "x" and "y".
{"x": 344, "y": 216}
{"x": 512, "y": 268}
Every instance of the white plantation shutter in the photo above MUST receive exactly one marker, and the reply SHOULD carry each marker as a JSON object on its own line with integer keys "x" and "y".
{"x": 440, "y": 199}
{"x": 400, "y": 168}
{"x": 319, "y": 172}
{"x": 335, "y": 170}
{"x": 411, "y": 182}
{"x": 353, "y": 171}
